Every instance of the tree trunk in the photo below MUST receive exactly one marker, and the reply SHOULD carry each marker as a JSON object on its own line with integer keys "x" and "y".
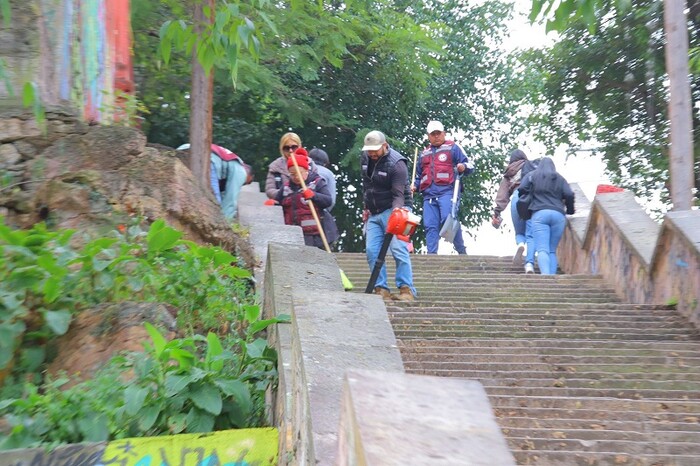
{"x": 201, "y": 100}
{"x": 680, "y": 112}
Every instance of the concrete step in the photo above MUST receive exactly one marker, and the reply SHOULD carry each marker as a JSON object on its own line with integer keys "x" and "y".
{"x": 536, "y": 310}
{"x": 604, "y": 435}
{"x": 600, "y": 417}
{"x": 533, "y": 320}
{"x": 437, "y": 295}
{"x": 574, "y": 375}
{"x": 554, "y": 346}
{"x": 633, "y": 424}
{"x": 462, "y": 306}
{"x": 582, "y": 334}
{"x": 560, "y": 361}
{"x": 610, "y": 405}
{"x": 632, "y": 448}
{"x": 577, "y": 458}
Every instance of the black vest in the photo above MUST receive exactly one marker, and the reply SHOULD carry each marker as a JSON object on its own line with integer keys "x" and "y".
{"x": 376, "y": 186}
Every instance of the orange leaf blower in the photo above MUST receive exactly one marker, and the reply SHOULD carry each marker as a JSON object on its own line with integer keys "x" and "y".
{"x": 401, "y": 224}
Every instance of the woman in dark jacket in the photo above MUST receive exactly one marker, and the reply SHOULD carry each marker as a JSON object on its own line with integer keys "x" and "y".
{"x": 552, "y": 197}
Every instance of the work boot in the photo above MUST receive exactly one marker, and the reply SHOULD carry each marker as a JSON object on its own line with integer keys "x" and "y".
{"x": 383, "y": 292}
{"x": 405, "y": 294}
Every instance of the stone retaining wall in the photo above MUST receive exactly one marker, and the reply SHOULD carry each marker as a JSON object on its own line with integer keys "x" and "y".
{"x": 646, "y": 263}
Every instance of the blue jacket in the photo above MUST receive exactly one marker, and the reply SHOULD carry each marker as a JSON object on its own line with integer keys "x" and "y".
{"x": 434, "y": 190}
{"x": 227, "y": 178}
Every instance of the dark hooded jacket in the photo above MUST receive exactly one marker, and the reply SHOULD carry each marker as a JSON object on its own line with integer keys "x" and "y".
{"x": 550, "y": 191}
{"x": 510, "y": 180}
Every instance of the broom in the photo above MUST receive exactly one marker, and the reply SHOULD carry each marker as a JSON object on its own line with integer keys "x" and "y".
{"x": 347, "y": 284}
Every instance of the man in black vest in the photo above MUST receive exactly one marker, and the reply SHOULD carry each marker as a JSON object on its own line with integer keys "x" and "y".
{"x": 385, "y": 187}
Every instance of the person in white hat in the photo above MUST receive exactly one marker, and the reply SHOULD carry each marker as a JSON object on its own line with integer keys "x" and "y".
{"x": 385, "y": 187}
{"x": 438, "y": 168}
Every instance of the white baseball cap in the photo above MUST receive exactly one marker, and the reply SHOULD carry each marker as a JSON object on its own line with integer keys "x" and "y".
{"x": 374, "y": 140}
{"x": 435, "y": 126}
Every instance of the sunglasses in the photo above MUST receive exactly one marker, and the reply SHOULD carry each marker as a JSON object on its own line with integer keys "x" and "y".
{"x": 288, "y": 148}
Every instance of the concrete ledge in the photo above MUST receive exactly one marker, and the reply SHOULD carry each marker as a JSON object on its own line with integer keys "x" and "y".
{"x": 334, "y": 334}
{"x": 261, "y": 214}
{"x": 644, "y": 262}
{"x": 398, "y": 419}
{"x": 675, "y": 266}
{"x": 579, "y": 220}
{"x": 636, "y": 228}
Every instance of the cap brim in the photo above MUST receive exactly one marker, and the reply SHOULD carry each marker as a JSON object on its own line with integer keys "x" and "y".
{"x": 372, "y": 147}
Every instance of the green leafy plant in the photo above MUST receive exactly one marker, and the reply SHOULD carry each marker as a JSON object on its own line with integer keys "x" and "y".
{"x": 190, "y": 384}
{"x": 34, "y": 300}
{"x": 50, "y": 415}
{"x": 175, "y": 390}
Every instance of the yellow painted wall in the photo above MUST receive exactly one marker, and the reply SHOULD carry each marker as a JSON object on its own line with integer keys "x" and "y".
{"x": 242, "y": 447}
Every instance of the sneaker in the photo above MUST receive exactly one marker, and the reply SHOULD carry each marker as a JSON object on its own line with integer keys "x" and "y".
{"x": 518, "y": 257}
{"x": 529, "y": 268}
{"x": 383, "y": 292}
{"x": 405, "y": 294}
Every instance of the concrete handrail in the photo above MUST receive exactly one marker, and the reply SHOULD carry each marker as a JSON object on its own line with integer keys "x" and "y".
{"x": 333, "y": 332}
{"x": 646, "y": 263}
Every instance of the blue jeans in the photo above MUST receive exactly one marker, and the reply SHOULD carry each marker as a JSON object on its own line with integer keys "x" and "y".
{"x": 523, "y": 229}
{"x": 530, "y": 242}
{"x": 518, "y": 223}
{"x": 376, "y": 229}
{"x": 435, "y": 212}
{"x": 547, "y": 228}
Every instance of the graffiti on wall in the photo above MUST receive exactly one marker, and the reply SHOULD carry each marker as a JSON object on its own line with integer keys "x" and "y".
{"x": 242, "y": 447}
{"x": 85, "y": 48}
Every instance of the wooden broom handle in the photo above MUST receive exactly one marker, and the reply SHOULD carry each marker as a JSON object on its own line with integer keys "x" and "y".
{"x": 313, "y": 209}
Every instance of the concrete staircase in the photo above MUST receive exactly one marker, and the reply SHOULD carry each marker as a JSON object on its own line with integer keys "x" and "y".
{"x": 575, "y": 377}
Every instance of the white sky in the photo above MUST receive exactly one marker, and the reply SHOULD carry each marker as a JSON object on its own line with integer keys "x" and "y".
{"x": 579, "y": 168}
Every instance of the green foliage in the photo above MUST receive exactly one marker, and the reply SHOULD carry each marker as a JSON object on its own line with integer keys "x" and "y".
{"x": 561, "y": 14}
{"x": 125, "y": 110}
{"x": 220, "y": 42}
{"x": 610, "y": 88}
{"x": 191, "y": 384}
{"x": 31, "y": 98}
{"x": 35, "y": 299}
{"x": 183, "y": 385}
{"x": 51, "y": 415}
{"x": 332, "y": 73}
{"x": 43, "y": 280}
{"x": 5, "y": 12}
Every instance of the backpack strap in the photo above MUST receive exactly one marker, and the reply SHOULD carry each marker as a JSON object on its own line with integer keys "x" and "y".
{"x": 223, "y": 153}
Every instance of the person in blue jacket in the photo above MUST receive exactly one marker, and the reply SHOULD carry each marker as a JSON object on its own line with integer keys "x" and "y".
{"x": 228, "y": 173}
{"x": 438, "y": 168}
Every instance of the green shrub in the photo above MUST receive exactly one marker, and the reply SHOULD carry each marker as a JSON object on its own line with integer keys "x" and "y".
{"x": 190, "y": 384}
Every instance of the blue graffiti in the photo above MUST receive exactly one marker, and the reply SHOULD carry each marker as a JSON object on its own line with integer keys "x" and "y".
{"x": 681, "y": 263}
